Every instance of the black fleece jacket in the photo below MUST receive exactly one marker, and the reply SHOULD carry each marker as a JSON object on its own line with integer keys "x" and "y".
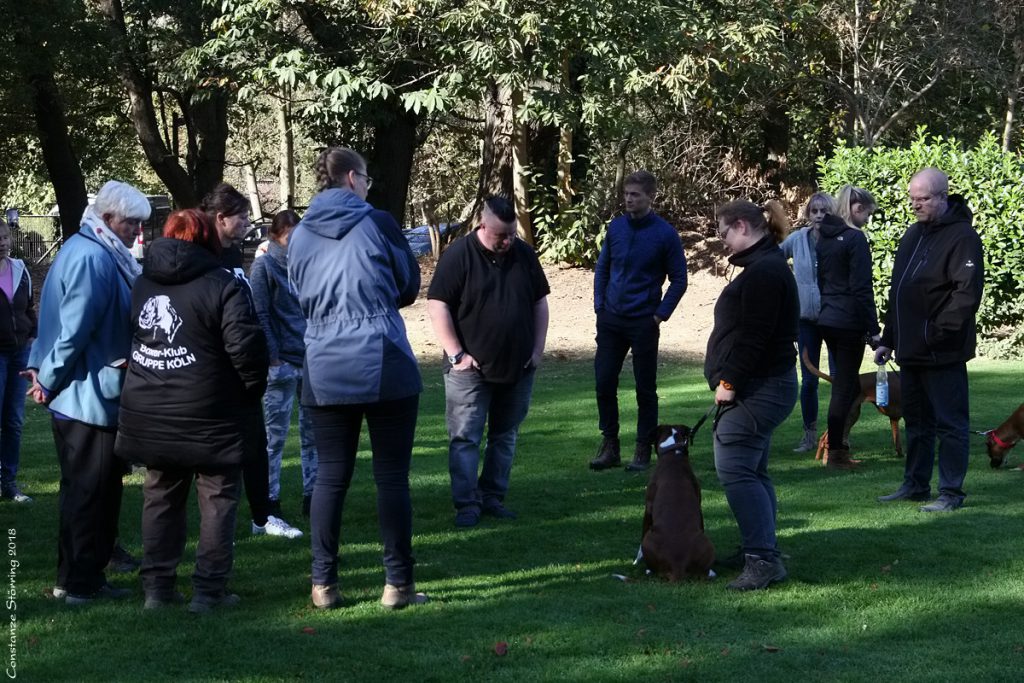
{"x": 756, "y": 319}
{"x": 198, "y": 356}
{"x": 844, "y": 278}
{"x": 937, "y": 281}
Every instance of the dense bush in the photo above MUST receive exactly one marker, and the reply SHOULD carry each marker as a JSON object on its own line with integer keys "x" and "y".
{"x": 992, "y": 181}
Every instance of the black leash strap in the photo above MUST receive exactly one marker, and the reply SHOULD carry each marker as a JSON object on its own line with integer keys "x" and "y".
{"x": 693, "y": 430}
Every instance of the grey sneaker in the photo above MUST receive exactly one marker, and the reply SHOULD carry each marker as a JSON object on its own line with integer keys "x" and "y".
{"x": 943, "y": 504}
{"x": 326, "y": 597}
{"x": 106, "y": 592}
{"x": 759, "y": 573}
{"x": 15, "y": 495}
{"x": 276, "y": 526}
{"x": 397, "y": 597}
{"x": 204, "y": 604}
{"x": 809, "y": 442}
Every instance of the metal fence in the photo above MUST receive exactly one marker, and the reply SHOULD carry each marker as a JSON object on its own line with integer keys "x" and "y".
{"x": 36, "y": 239}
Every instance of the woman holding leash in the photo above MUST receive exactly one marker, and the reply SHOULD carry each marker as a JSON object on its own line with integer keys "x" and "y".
{"x": 749, "y": 365}
{"x": 800, "y": 246}
{"x": 847, "y": 309}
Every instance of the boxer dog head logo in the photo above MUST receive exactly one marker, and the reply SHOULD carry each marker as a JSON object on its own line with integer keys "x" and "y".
{"x": 159, "y": 316}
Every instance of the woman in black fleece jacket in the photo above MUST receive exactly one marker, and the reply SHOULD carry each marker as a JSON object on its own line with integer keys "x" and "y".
{"x": 750, "y": 365}
{"x": 847, "y": 309}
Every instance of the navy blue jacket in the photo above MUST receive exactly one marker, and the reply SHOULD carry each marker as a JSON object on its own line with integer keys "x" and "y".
{"x": 844, "y": 278}
{"x": 636, "y": 257}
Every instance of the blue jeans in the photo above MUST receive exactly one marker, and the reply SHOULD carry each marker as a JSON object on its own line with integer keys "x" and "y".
{"x": 12, "y": 404}
{"x": 470, "y": 402}
{"x": 935, "y": 404}
{"x": 392, "y": 426}
{"x": 809, "y": 337}
{"x": 616, "y": 336}
{"x": 743, "y": 441}
{"x": 284, "y": 382}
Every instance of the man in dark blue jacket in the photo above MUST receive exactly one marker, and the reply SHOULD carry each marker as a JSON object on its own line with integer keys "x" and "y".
{"x": 640, "y": 250}
{"x": 937, "y": 281}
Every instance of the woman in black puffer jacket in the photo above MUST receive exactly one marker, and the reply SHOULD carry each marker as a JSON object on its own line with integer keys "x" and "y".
{"x": 197, "y": 352}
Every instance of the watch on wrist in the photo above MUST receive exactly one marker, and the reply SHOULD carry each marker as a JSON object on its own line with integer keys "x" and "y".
{"x": 457, "y": 358}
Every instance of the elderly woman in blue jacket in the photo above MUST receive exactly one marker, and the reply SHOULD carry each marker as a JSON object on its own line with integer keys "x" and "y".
{"x": 76, "y": 368}
{"x": 352, "y": 270}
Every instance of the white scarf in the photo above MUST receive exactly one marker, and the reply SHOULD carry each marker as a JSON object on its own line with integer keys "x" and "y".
{"x": 126, "y": 263}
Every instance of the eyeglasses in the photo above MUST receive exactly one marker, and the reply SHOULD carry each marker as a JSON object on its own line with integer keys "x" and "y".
{"x": 722, "y": 233}
{"x": 369, "y": 180}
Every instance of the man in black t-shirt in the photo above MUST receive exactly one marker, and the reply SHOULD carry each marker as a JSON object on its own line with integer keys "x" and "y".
{"x": 489, "y": 309}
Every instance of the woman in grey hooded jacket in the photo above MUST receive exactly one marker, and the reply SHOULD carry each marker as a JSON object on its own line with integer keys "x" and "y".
{"x": 352, "y": 270}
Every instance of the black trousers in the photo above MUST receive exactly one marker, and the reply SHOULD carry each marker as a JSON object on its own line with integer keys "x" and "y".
{"x": 89, "y": 504}
{"x": 616, "y": 336}
{"x": 256, "y": 465}
{"x": 165, "y": 528}
{"x": 846, "y": 349}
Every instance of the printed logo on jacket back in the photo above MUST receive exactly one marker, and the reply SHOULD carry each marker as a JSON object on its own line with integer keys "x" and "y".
{"x": 159, "y": 316}
{"x": 156, "y": 350}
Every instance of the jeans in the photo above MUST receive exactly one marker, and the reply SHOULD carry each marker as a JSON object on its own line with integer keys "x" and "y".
{"x": 392, "y": 426}
{"x": 470, "y": 402}
{"x": 165, "y": 528}
{"x": 936, "y": 404}
{"x": 616, "y": 335}
{"x": 12, "y": 405}
{"x": 809, "y": 337}
{"x": 88, "y": 504}
{"x": 284, "y": 383}
{"x": 742, "y": 443}
{"x": 846, "y": 351}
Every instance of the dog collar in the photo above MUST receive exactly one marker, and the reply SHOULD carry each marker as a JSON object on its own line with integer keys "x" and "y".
{"x": 994, "y": 438}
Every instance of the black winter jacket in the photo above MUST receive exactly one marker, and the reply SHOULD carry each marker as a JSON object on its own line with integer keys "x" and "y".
{"x": 756, "y": 319}
{"x": 198, "y": 357}
{"x": 18, "y": 321}
{"x": 844, "y": 278}
{"x": 937, "y": 281}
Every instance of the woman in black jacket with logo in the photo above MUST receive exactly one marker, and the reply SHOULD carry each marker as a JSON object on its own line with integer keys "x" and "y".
{"x": 847, "y": 309}
{"x": 197, "y": 352}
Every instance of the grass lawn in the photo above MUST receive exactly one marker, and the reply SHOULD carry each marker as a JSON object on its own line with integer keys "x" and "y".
{"x": 876, "y": 592}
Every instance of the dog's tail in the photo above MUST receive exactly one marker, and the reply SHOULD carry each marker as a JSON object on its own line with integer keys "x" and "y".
{"x": 806, "y": 359}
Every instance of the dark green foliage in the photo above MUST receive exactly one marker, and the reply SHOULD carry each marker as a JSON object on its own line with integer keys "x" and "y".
{"x": 992, "y": 181}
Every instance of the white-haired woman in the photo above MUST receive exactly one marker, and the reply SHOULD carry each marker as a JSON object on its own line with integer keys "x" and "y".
{"x": 76, "y": 368}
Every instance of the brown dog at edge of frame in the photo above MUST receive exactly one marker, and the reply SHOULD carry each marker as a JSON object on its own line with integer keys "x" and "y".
{"x": 673, "y": 540}
{"x": 1000, "y": 440}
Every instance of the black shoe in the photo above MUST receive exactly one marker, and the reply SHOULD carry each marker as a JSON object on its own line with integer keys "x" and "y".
{"x": 903, "y": 493}
{"x": 204, "y": 604}
{"x": 498, "y": 510}
{"x": 161, "y": 600}
{"x": 608, "y": 455}
{"x": 641, "y": 458}
{"x": 943, "y": 503}
{"x": 106, "y": 592}
{"x": 759, "y": 573}
{"x": 306, "y": 502}
{"x": 121, "y": 561}
{"x": 467, "y": 517}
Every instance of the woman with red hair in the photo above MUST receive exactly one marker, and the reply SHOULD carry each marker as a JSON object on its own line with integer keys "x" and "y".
{"x": 197, "y": 351}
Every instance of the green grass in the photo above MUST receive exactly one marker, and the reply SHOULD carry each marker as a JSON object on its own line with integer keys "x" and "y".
{"x": 876, "y": 592}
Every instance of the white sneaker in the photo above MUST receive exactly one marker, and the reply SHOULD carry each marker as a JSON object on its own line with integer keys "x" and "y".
{"x": 276, "y": 526}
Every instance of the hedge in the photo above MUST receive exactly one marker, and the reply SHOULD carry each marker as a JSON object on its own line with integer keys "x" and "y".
{"x": 992, "y": 182}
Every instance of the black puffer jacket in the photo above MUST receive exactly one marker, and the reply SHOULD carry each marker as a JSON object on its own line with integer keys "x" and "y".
{"x": 198, "y": 356}
{"x": 937, "y": 281}
{"x": 844, "y": 278}
{"x": 756, "y": 319}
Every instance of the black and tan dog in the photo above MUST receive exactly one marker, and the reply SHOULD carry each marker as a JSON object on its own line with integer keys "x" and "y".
{"x": 1000, "y": 440}
{"x": 673, "y": 542}
{"x": 893, "y": 411}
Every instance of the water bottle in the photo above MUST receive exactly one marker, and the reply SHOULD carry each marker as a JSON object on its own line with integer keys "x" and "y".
{"x": 881, "y": 387}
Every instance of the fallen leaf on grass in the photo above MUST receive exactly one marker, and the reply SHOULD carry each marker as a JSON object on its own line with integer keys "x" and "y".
{"x": 652, "y": 608}
{"x": 725, "y": 652}
{"x": 465, "y": 658}
{"x": 309, "y": 630}
{"x": 771, "y": 648}
{"x": 886, "y": 568}
{"x": 501, "y": 648}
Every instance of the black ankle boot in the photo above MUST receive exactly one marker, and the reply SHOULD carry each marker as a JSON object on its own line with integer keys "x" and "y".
{"x": 608, "y": 455}
{"x": 641, "y": 458}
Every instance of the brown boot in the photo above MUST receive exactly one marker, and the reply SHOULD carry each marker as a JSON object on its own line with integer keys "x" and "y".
{"x": 641, "y": 458}
{"x": 608, "y": 455}
{"x": 839, "y": 459}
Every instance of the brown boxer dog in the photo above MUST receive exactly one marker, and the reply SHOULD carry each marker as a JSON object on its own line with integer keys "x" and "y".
{"x": 893, "y": 411}
{"x": 1000, "y": 440}
{"x": 673, "y": 542}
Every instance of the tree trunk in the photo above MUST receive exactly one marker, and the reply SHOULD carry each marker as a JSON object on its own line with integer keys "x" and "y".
{"x": 251, "y": 187}
{"x": 209, "y": 113}
{"x": 286, "y": 158}
{"x": 1011, "y": 101}
{"x": 394, "y": 145}
{"x": 520, "y": 164}
{"x": 35, "y": 68}
{"x": 496, "y": 148}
